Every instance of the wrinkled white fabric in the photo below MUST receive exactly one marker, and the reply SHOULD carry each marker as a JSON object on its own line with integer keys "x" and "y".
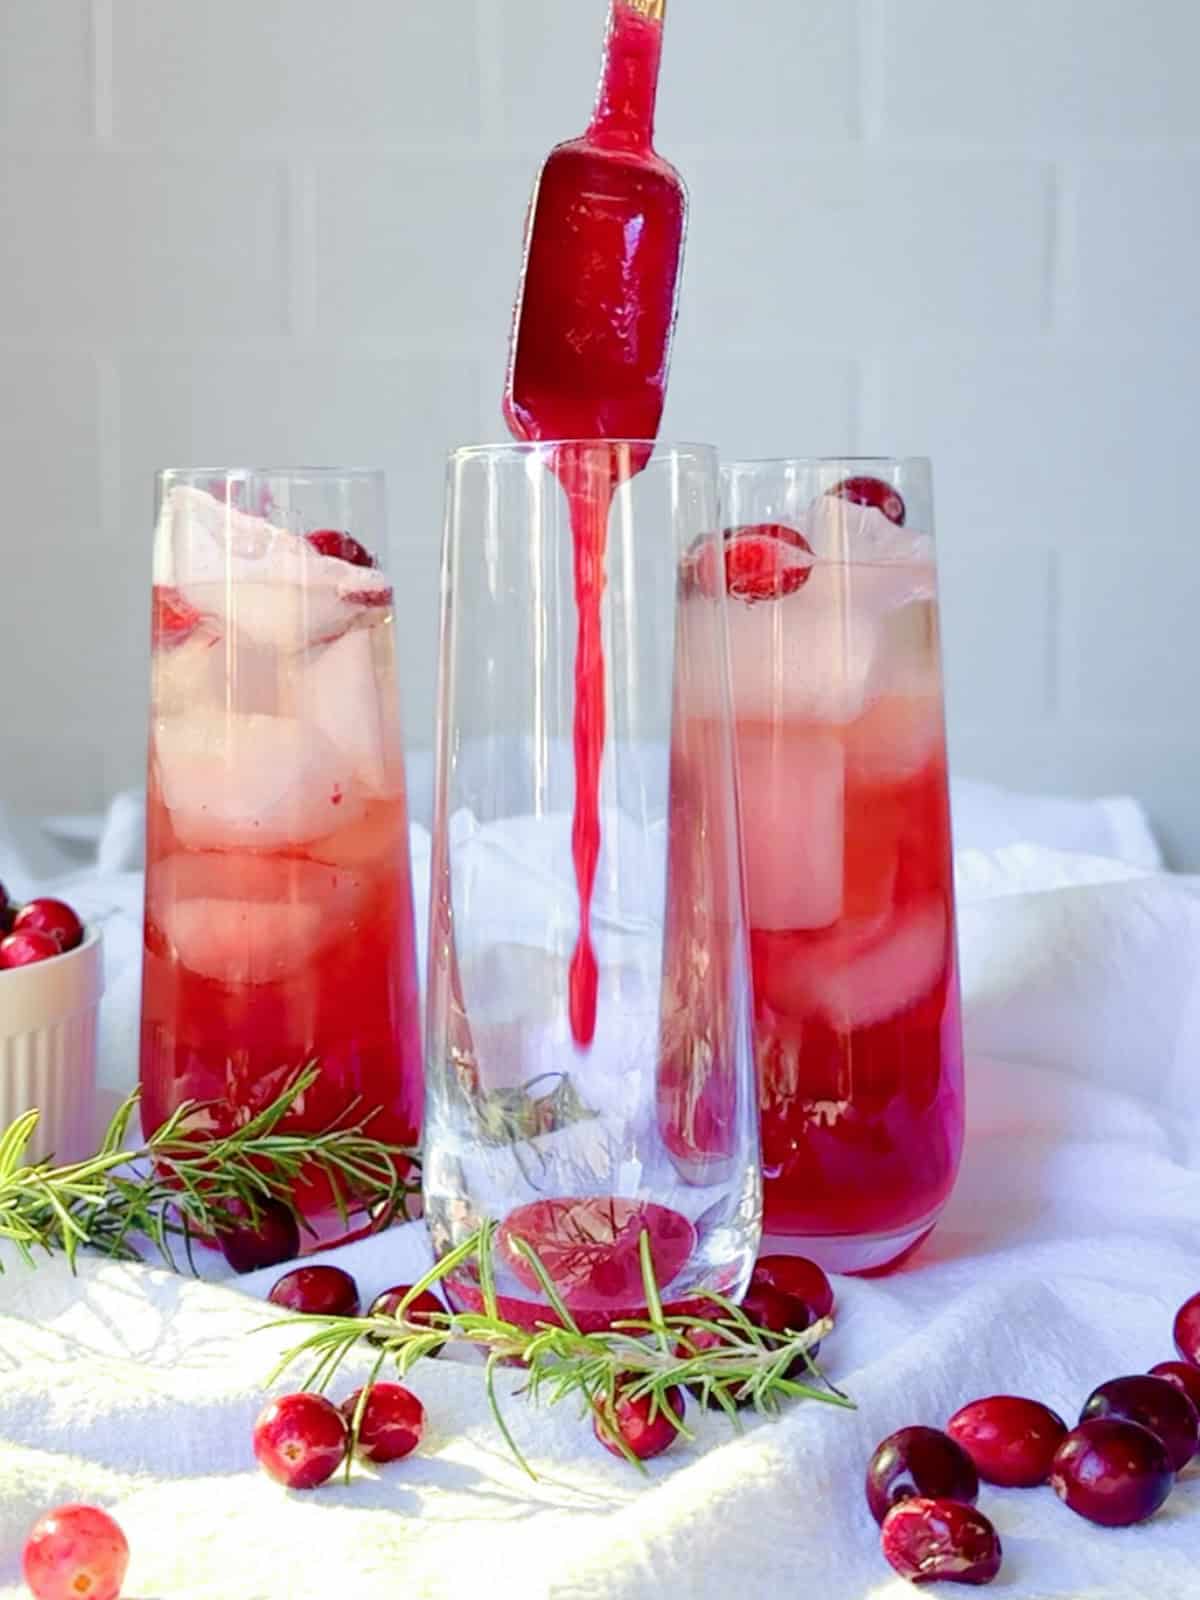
{"x": 1069, "y": 1242}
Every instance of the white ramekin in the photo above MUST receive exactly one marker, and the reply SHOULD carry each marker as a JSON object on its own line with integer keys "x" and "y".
{"x": 48, "y": 1048}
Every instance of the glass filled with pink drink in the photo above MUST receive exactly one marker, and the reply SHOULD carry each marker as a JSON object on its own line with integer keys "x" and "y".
{"x": 590, "y": 1064}
{"x": 841, "y": 751}
{"x": 279, "y": 919}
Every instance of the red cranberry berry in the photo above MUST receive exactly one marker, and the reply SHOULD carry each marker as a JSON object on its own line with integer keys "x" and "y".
{"x": 919, "y": 1462}
{"x": 301, "y": 1440}
{"x": 867, "y": 491}
{"x": 930, "y": 1541}
{"x": 331, "y": 542}
{"x": 75, "y": 1553}
{"x": 172, "y": 619}
{"x": 645, "y": 1430}
{"x": 423, "y": 1309}
{"x": 393, "y": 1421}
{"x": 26, "y": 947}
{"x": 268, "y": 1238}
{"x": 799, "y": 1277}
{"x": 1157, "y": 1405}
{"x": 316, "y": 1292}
{"x": 766, "y": 561}
{"x": 1011, "y": 1440}
{"x": 763, "y": 1306}
{"x": 52, "y": 917}
{"x": 1183, "y": 1375}
{"x": 1187, "y": 1330}
{"x": 1112, "y": 1472}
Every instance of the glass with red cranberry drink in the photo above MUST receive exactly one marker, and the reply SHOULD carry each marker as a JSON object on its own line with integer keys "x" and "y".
{"x": 578, "y": 1142}
{"x": 279, "y": 921}
{"x": 841, "y": 750}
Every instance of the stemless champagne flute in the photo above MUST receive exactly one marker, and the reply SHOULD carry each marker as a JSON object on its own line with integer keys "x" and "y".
{"x": 577, "y": 1143}
{"x": 279, "y": 920}
{"x": 841, "y": 750}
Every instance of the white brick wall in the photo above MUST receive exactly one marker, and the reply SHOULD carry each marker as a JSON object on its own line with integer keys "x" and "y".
{"x": 280, "y": 229}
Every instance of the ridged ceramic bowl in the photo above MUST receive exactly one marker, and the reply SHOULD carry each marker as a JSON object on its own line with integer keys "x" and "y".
{"x": 48, "y": 1017}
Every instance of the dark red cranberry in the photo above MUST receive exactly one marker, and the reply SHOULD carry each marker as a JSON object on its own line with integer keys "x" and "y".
{"x": 25, "y": 948}
{"x": 316, "y": 1292}
{"x": 262, "y": 1241}
{"x": 930, "y": 1541}
{"x": 645, "y": 1431}
{"x": 301, "y": 1440}
{"x": 1157, "y": 1405}
{"x": 798, "y": 1276}
{"x": 766, "y": 561}
{"x": 1183, "y": 1375}
{"x": 1011, "y": 1440}
{"x": 867, "y": 491}
{"x": 393, "y": 1421}
{"x": 52, "y": 917}
{"x": 921, "y": 1462}
{"x": 1187, "y": 1330}
{"x": 1112, "y": 1472}
{"x": 331, "y": 542}
{"x": 423, "y": 1309}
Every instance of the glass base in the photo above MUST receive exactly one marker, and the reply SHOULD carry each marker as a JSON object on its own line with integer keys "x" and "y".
{"x": 864, "y": 1254}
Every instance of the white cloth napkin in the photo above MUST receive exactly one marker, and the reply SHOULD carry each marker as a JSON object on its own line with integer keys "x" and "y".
{"x": 1069, "y": 1242}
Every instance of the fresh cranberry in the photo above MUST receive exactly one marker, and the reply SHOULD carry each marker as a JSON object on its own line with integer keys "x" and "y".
{"x": 172, "y": 618}
{"x": 1187, "y": 1330}
{"x": 75, "y": 1551}
{"x": 799, "y": 1277}
{"x": 331, "y": 542}
{"x": 26, "y": 948}
{"x": 393, "y": 1421}
{"x": 921, "y": 1462}
{"x": 316, "y": 1292}
{"x": 765, "y": 561}
{"x": 644, "y": 1434}
{"x": 766, "y": 1308}
{"x": 1157, "y": 1405}
{"x": 52, "y": 917}
{"x": 301, "y": 1440}
{"x": 1011, "y": 1440}
{"x": 424, "y": 1309}
{"x": 930, "y": 1541}
{"x": 264, "y": 1241}
{"x": 1183, "y": 1375}
{"x": 868, "y": 491}
{"x": 1112, "y": 1472}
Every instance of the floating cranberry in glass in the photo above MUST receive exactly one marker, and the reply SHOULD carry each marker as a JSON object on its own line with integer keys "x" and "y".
{"x": 263, "y": 1239}
{"x": 921, "y": 1462}
{"x": 393, "y": 1422}
{"x": 766, "y": 561}
{"x": 301, "y": 1440}
{"x": 1155, "y": 1404}
{"x": 864, "y": 491}
{"x": 1111, "y": 1472}
{"x": 423, "y": 1308}
{"x": 1010, "y": 1439}
{"x": 929, "y": 1541}
{"x": 1183, "y": 1375}
{"x": 1187, "y": 1330}
{"x": 52, "y": 917}
{"x": 75, "y": 1552}
{"x": 26, "y": 947}
{"x": 644, "y": 1429}
{"x": 799, "y": 1277}
{"x": 331, "y": 542}
{"x": 318, "y": 1291}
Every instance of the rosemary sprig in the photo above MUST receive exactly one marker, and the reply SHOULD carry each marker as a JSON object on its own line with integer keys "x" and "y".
{"x": 633, "y": 1359}
{"x": 179, "y": 1184}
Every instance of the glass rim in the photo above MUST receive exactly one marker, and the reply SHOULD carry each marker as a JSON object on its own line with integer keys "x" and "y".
{"x": 313, "y": 474}
{"x": 535, "y": 447}
{"x": 739, "y": 462}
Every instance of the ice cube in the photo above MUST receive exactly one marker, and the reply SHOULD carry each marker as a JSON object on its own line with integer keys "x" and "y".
{"x": 190, "y": 675}
{"x": 342, "y": 691}
{"x": 251, "y": 781}
{"x": 263, "y": 581}
{"x": 856, "y": 984}
{"x": 896, "y": 738}
{"x": 792, "y": 808}
{"x": 248, "y": 920}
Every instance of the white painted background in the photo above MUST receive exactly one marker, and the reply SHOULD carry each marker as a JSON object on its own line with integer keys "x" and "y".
{"x": 289, "y": 230}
